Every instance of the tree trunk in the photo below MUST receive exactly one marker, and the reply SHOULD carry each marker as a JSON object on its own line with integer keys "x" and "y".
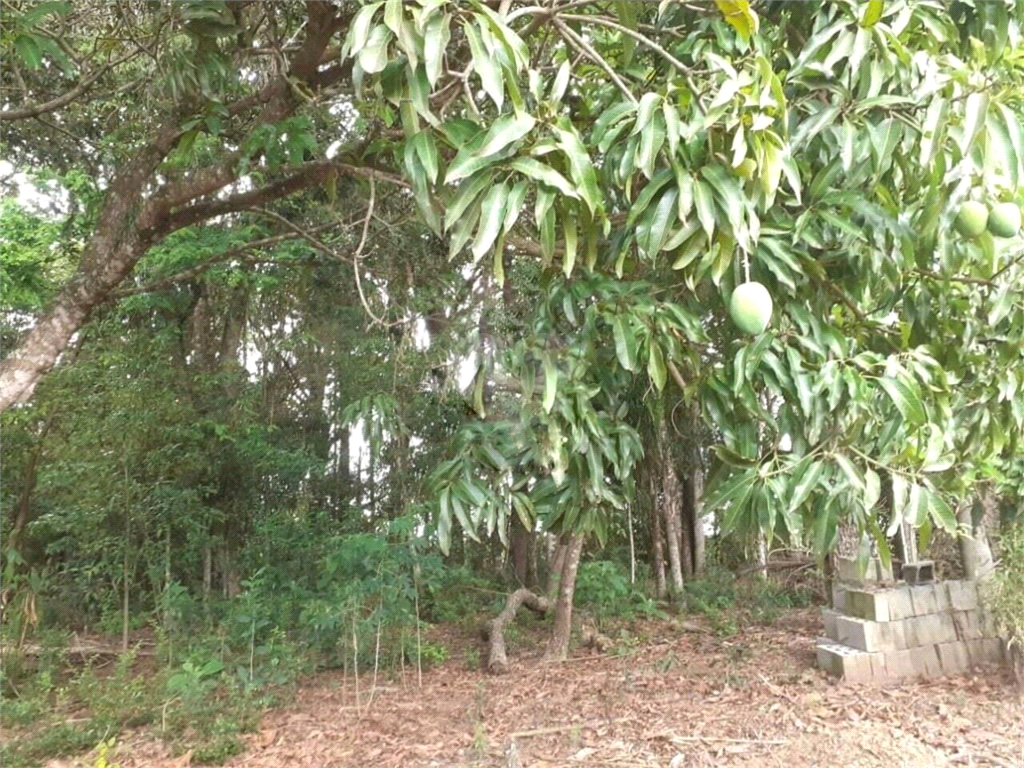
{"x": 695, "y": 488}
{"x": 670, "y": 501}
{"x": 658, "y": 557}
{"x": 558, "y": 646}
{"x": 762, "y": 554}
{"x": 520, "y": 543}
{"x": 974, "y": 547}
{"x": 493, "y": 631}
{"x": 557, "y": 560}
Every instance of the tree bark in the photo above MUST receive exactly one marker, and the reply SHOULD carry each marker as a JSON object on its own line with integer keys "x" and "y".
{"x": 695, "y": 488}
{"x": 657, "y": 539}
{"x": 670, "y": 501}
{"x": 974, "y": 547}
{"x": 493, "y": 631}
{"x": 519, "y": 545}
{"x": 558, "y": 646}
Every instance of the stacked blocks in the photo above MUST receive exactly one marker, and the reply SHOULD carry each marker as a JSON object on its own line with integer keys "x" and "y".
{"x": 881, "y": 633}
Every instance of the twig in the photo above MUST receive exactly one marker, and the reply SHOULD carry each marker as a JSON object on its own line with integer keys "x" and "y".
{"x": 588, "y": 50}
{"x": 566, "y": 727}
{"x": 723, "y": 740}
{"x": 358, "y": 255}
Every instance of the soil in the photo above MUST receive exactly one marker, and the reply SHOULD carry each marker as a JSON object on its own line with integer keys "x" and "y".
{"x": 672, "y": 694}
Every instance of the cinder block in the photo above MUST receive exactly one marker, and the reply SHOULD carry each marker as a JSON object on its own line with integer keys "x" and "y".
{"x": 900, "y": 665}
{"x": 968, "y": 625}
{"x": 925, "y": 661}
{"x": 900, "y": 605}
{"x": 883, "y": 573}
{"x": 953, "y": 657}
{"x": 894, "y": 635}
{"x": 984, "y": 651}
{"x": 963, "y": 595}
{"x": 987, "y": 624}
{"x": 858, "y": 633}
{"x": 867, "y": 604}
{"x": 933, "y": 629}
{"x": 923, "y": 599}
{"x": 879, "y": 672}
{"x": 839, "y": 597}
{"x": 922, "y": 572}
{"x": 942, "y": 601}
{"x": 842, "y": 661}
{"x": 847, "y": 570}
{"x": 828, "y": 618}
{"x": 988, "y": 650}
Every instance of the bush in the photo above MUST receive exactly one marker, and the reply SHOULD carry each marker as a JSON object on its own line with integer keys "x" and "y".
{"x": 603, "y": 586}
{"x": 1003, "y": 595}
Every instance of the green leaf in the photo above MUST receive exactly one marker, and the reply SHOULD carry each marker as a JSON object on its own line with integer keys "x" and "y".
{"x": 974, "y": 118}
{"x": 656, "y": 368}
{"x": 492, "y": 214}
{"x": 515, "y": 204}
{"x": 570, "y": 232}
{"x": 852, "y": 473}
{"x": 625, "y": 343}
{"x": 739, "y": 16}
{"x": 580, "y": 166}
{"x": 550, "y": 383}
{"x": 905, "y": 398}
{"x": 506, "y": 130}
{"x": 373, "y": 56}
{"x": 940, "y": 511}
{"x": 805, "y": 484}
{"x": 465, "y": 195}
{"x": 360, "y": 31}
{"x": 544, "y": 174}
{"x": 872, "y": 13}
{"x": 444, "y": 521}
{"x": 486, "y": 65}
{"x": 704, "y": 200}
{"x": 435, "y": 41}
{"x": 663, "y": 216}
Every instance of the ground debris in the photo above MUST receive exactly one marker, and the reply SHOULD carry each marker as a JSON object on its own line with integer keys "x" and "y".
{"x": 679, "y": 699}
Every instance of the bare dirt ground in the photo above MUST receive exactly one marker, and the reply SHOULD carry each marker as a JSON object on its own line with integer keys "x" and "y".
{"x": 683, "y": 698}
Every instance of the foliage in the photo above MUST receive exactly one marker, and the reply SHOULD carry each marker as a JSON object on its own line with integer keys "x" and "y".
{"x": 1004, "y": 594}
{"x": 603, "y": 588}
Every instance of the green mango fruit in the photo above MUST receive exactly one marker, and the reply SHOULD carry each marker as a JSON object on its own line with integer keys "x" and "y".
{"x": 1004, "y": 220}
{"x": 971, "y": 219}
{"x": 751, "y": 307}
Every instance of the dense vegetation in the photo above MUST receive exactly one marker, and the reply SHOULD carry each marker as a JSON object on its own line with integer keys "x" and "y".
{"x": 327, "y": 324}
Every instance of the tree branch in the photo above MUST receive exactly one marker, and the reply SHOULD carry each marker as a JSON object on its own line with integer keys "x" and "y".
{"x": 34, "y": 110}
{"x": 588, "y": 50}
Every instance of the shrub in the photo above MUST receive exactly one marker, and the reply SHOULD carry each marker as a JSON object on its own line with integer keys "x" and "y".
{"x": 1003, "y": 595}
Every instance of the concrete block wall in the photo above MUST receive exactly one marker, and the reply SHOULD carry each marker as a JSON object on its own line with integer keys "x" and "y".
{"x": 877, "y": 633}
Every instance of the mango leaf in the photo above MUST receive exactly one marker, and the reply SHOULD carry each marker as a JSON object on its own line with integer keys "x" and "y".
{"x": 544, "y": 174}
{"x": 492, "y": 214}
{"x": 656, "y": 365}
{"x": 872, "y": 13}
{"x": 506, "y": 130}
{"x": 485, "y": 65}
{"x": 373, "y": 56}
{"x": 625, "y": 343}
{"x": 905, "y": 398}
{"x": 739, "y": 16}
{"x": 436, "y": 35}
{"x": 550, "y": 382}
